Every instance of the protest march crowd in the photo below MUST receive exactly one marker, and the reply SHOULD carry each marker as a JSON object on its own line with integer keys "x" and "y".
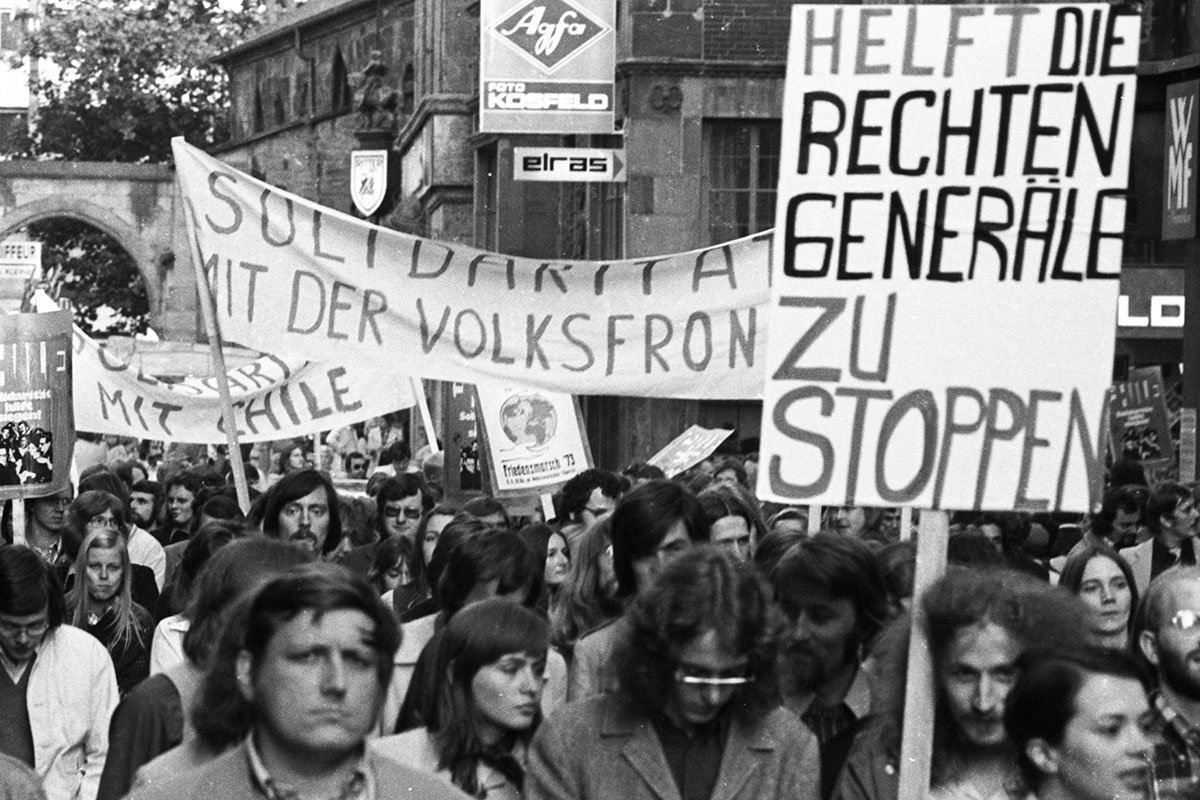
{"x": 657, "y": 637}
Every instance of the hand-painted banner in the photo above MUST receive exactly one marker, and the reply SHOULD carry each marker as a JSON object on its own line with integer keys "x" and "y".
{"x": 290, "y": 276}
{"x": 36, "y": 430}
{"x": 273, "y": 398}
{"x": 534, "y": 438}
{"x": 688, "y": 449}
{"x": 947, "y": 252}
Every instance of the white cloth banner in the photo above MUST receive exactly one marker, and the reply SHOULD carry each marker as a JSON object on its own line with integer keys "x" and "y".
{"x": 947, "y": 253}
{"x": 273, "y": 398}
{"x": 290, "y": 276}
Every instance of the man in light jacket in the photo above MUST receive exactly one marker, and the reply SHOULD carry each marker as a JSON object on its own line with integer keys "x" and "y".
{"x": 695, "y": 711}
{"x": 58, "y": 688}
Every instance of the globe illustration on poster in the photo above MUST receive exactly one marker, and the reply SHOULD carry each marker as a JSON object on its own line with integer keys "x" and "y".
{"x": 529, "y": 419}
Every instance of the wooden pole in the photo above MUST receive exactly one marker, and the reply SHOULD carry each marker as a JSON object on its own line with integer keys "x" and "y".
{"x": 916, "y": 745}
{"x": 814, "y": 519}
{"x": 906, "y": 513}
{"x": 208, "y": 308}
{"x": 418, "y": 387}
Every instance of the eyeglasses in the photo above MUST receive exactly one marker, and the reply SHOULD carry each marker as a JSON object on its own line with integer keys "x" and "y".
{"x": 33, "y": 630}
{"x": 1185, "y": 619}
{"x": 690, "y": 676}
{"x": 410, "y": 513}
{"x": 102, "y": 522}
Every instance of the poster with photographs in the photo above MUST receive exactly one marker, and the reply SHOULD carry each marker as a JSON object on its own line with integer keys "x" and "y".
{"x": 36, "y": 427}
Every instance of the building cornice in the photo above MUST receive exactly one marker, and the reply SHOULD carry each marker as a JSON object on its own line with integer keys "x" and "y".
{"x": 700, "y": 68}
{"x": 432, "y": 105}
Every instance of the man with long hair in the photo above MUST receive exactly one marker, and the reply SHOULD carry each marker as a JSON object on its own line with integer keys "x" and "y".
{"x": 303, "y": 509}
{"x": 696, "y": 710}
{"x": 979, "y": 622}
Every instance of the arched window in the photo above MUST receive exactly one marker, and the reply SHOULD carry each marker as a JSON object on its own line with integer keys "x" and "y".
{"x": 259, "y": 119}
{"x": 341, "y": 96}
{"x": 407, "y": 91}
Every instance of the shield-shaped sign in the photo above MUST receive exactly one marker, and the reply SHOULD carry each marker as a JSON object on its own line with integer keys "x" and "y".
{"x": 368, "y": 179}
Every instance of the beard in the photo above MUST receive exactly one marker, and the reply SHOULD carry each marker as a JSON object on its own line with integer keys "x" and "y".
{"x": 803, "y": 670}
{"x": 1175, "y": 673}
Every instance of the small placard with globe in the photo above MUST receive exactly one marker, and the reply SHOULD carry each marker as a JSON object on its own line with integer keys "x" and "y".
{"x": 533, "y": 437}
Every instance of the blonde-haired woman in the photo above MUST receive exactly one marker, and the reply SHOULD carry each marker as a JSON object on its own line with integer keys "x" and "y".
{"x": 101, "y": 602}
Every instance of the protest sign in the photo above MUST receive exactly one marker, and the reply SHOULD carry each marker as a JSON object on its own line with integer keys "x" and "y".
{"x": 1140, "y": 429}
{"x": 36, "y": 429}
{"x": 464, "y": 460}
{"x": 947, "y": 252}
{"x": 273, "y": 398}
{"x": 688, "y": 449}
{"x": 290, "y": 276}
{"x": 534, "y": 439}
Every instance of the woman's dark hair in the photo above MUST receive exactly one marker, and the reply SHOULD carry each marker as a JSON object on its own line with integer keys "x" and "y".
{"x": 418, "y": 567}
{"x": 479, "y": 635}
{"x": 293, "y": 486}
{"x": 28, "y": 584}
{"x": 705, "y": 589}
{"x": 721, "y": 500}
{"x": 457, "y": 529}
{"x": 640, "y": 470}
{"x": 491, "y": 555}
{"x": 1043, "y": 701}
{"x": 536, "y": 536}
{"x": 643, "y": 518}
{"x": 230, "y": 571}
{"x": 735, "y": 465}
{"x": 773, "y": 547}
{"x": 388, "y": 553}
{"x": 105, "y": 481}
{"x": 1072, "y": 573}
{"x": 222, "y": 715}
{"x": 209, "y": 538}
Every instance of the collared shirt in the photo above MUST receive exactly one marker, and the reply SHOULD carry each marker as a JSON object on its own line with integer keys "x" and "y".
{"x": 694, "y": 756}
{"x": 1162, "y": 558}
{"x": 49, "y": 554}
{"x": 1175, "y": 760}
{"x": 359, "y": 786}
{"x": 857, "y": 704}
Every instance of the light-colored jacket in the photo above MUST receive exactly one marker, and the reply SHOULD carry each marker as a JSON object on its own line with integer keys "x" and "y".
{"x": 72, "y": 694}
{"x": 1140, "y": 558}
{"x": 416, "y": 749}
{"x": 602, "y": 748}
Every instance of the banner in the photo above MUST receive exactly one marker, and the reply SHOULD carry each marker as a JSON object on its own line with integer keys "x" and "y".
{"x": 36, "y": 430}
{"x": 688, "y": 449}
{"x": 1182, "y": 136}
{"x": 273, "y": 398}
{"x": 534, "y": 439}
{"x": 547, "y": 66}
{"x": 1138, "y": 417}
{"x": 947, "y": 253}
{"x": 290, "y": 276}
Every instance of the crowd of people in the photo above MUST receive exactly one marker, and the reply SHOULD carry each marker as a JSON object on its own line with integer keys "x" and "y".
{"x": 657, "y": 637}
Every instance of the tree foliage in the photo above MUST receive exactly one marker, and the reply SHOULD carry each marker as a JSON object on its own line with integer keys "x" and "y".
{"x": 120, "y": 78}
{"x": 88, "y": 267}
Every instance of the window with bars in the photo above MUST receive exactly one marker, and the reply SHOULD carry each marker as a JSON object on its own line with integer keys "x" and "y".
{"x": 743, "y": 170}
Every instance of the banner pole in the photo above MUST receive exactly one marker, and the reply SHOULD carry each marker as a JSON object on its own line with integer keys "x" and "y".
{"x": 207, "y": 307}
{"x": 916, "y": 744}
{"x": 418, "y": 387}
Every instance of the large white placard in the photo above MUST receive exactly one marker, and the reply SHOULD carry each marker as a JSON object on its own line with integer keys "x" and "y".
{"x": 534, "y": 438}
{"x": 947, "y": 254}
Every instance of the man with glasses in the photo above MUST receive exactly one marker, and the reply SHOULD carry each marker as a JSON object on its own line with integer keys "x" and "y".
{"x": 400, "y": 502}
{"x": 696, "y": 713}
{"x": 45, "y": 518}
{"x": 57, "y": 689}
{"x": 1167, "y": 635}
{"x": 1171, "y": 517}
{"x": 589, "y": 496}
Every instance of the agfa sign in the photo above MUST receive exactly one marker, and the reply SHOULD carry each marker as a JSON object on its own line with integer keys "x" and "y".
{"x": 549, "y": 32}
{"x": 546, "y": 66}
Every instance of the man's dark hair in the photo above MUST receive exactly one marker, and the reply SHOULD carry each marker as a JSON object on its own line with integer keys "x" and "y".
{"x": 491, "y": 555}
{"x": 1127, "y": 500}
{"x": 575, "y": 492}
{"x": 643, "y": 519}
{"x": 294, "y": 486}
{"x": 395, "y": 453}
{"x": 1163, "y": 502}
{"x": 222, "y": 716}
{"x": 106, "y": 481}
{"x": 486, "y": 506}
{"x": 124, "y": 471}
{"x": 843, "y": 567}
{"x": 28, "y": 585}
{"x": 705, "y": 589}
{"x": 640, "y": 470}
{"x": 398, "y": 487}
{"x": 353, "y": 456}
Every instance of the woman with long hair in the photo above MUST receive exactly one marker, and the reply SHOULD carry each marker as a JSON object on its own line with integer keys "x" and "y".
{"x": 552, "y": 560}
{"x": 99, "y": 508}
{"x": 1104, "y": 580}
{"x": 101, "y": 602}
{"x": 493, "y": 655}
{"x": 417, "y": 600}
{"x": 588, "y": 597}
{"x": 392, "y": 566}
